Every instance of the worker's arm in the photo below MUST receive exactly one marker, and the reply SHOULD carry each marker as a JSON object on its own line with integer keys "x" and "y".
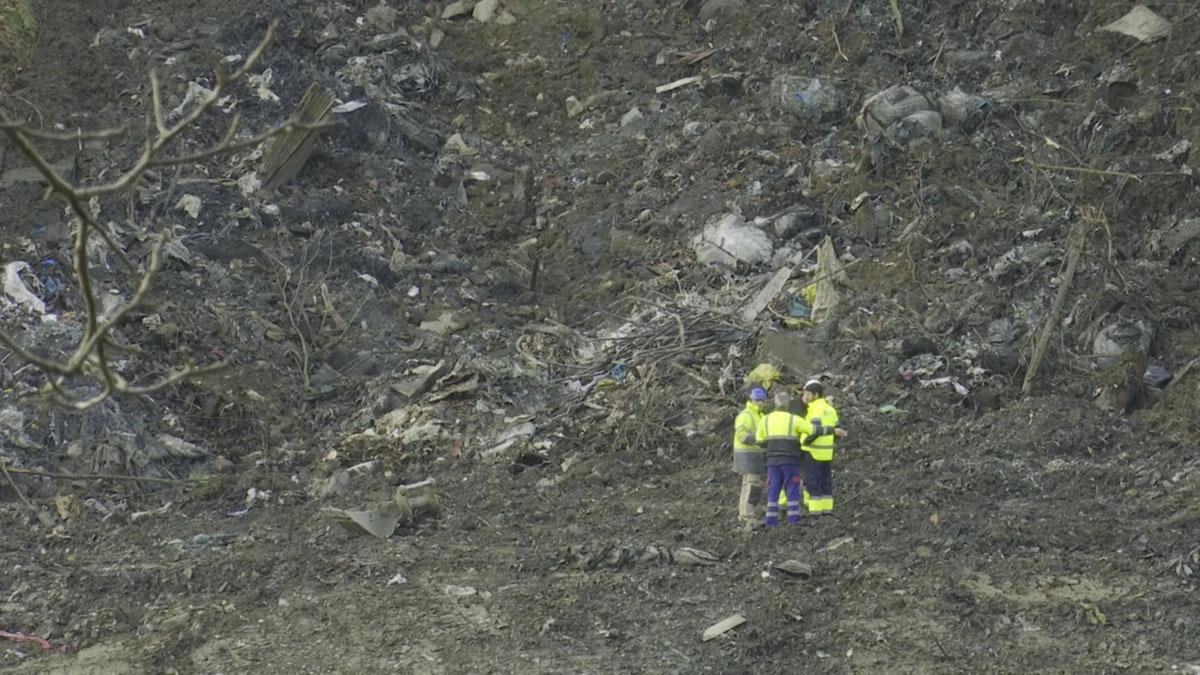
{"x": 760, "y": 434}
{"x": 744, "y": 429}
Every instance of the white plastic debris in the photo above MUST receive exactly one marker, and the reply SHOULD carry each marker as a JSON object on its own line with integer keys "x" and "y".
{"x": 729, "y": 240}
{"x": 1140, "y": 23}
{"x": 189, "y": 204}
{"x": 16, "y": 289}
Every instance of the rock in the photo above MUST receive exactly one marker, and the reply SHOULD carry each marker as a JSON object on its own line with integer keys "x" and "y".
{"x": 12, "y": 428}
{"x": 710, "y": 8}
{"x": 808, "y": 98}
{"x": 457, "y": 9}
{"x": 963, "y": 110}
{"x": 366, "y": 127}
{"x": 383, "y": 18}
{"x": 1003, "y": 334}
{"x": 634, "y": 115}
{"x": 457, "y": 145}
{"x": 1156, "y": 376}
{"x": 484, "y": 10}
{"x": 446, "y": 323}
{"x": 505, "y": 19}
{"x": 1121, "y": 386}
{"x": 1123, "y": 337}
{"x": 795, "y": 568}
{"x": 728, "y": 240}
{"x": 574, "y": 107}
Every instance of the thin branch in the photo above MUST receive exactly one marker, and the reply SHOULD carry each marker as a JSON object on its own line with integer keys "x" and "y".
{"x": 98, "y": 476}
{"x": 1139, "y": 177}
{"x": 168, "y": 134}
{"x": 226, "y": 146}
{"x": 61, "y": 136}
{"x": 156, "y": 104}
{"x": 13, "y": 483}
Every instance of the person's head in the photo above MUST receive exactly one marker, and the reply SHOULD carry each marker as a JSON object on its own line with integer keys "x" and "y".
{"x": 757, "y": 394}
{"x": 783, "y": 400}
{"x": 813, "y": 389}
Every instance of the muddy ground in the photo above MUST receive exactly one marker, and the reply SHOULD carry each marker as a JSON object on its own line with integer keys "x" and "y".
{"x": 487, "y": 277}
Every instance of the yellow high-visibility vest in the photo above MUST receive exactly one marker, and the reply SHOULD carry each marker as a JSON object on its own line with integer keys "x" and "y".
{"x": 821, "y": 413}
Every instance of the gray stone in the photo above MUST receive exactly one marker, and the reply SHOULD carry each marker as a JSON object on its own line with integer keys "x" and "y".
{"x": 485, "y": 10}
{"x": 383, "y": 18}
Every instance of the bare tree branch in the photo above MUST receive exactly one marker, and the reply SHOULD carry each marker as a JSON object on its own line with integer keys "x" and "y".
{"x": 89, "y": 359}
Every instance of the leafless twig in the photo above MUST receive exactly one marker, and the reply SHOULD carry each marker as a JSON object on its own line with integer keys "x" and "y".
{"x": 89, "y": 358}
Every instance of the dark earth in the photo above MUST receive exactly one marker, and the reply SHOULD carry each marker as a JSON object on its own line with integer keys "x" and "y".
{"x": 486, "y": 275}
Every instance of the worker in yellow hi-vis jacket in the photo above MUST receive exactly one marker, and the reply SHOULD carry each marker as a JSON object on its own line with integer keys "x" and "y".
{"x": 817, "y": 467}
{"x": 748, "y": 454}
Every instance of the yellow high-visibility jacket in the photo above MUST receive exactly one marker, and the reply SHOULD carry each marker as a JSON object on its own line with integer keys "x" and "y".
{"x": 823, "y": 418}
{"x": 747, "y": 455}
{"x": 780, "y": 433}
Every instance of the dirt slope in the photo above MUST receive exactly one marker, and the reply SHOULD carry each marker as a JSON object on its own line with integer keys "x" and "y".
{"x": 508, "y": 223}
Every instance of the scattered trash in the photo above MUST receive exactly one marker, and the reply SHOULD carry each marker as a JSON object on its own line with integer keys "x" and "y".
{"x": 398, "y": 579}
{"x": 808, "y": 98}
{"x": 729, "y": 240}
{"x": 829, "y": 274}
{"x": 922, "y": 365}
{"x": 16, "y": 289}
{"x": 764, "y": 374}
{"x": 419, "y": 379}
{"x": 1140, "y": 23}
{"x": 722, "y": 627}
{"x": 455, "y": 591}
{"x": 138, "y": 515}
{"x": 900, "y": 112}
{"x": 670, "y": 86}
{"x": 509, "y": 437}
{"x": 1175, "y": 151}
{"x": 959, "y": 387}
{"x": 766, "y": 294}
{"x": 379, "y": 523}
{"x": 21, "y": 637}
{"x": 889, "y": 409}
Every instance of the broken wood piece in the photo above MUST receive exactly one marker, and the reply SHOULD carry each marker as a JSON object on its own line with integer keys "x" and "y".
{"x": 723, "y": 626}
{"x": 766, "y": 294}
{"x": 677, "y": 84}
{"x": 288, "y": 152}
{"x": 688, "y": 58}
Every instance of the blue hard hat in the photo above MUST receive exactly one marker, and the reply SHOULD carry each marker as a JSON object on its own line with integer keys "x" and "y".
{"x": 758, "y": 394}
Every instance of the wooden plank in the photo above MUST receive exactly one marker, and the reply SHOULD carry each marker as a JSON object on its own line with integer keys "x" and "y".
{"x": 723, "y": 626}
{"x": 287, "y": 154}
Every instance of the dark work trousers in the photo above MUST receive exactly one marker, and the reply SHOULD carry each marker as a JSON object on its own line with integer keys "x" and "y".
{"x": 818, "y": 485}
{"x": 786, "y": 477}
